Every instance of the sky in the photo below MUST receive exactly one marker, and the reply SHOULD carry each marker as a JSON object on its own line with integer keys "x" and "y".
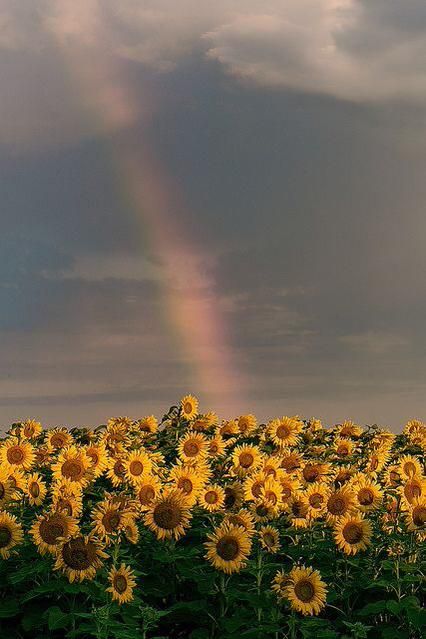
{"x": 220, "y": 198}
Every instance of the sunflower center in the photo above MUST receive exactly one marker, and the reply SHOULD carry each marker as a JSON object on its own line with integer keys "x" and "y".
{"x": 2, "y": 490}
{"x": 120, "y": 583}
{"x": 394, "y": 476}
{"x": 316, "y": 500}
{"x": 304, "y": 590}
{"x": 299, "y": 509}
{"x": 409, "y": 468}
{"x": 185, "y": 485}
{"x": 111, "y": 521}
{"x": 343, "y": 450}
{"x": 311, "y": 473}
{"x": 34, "y": 490}
{"x": 187, "y": 408}
{"x": 213, "y": 448}
{"x": 419, "y": 515}
{"x": 15, "y": 455}
{"x": 283, "y": 431}
{"x": 352, "y": 533}
{"x": 94, "y": 456}
{"x": 411, "y": 491}
{"x": 246, "y": 460}
{"x": 136, "y": 468}
{"x": 374, "y": 463}
{"x": 167, "y": 515}
{"x": 57, "y": 440}
{"x": 5, "y": 536}
{"x": 256, "y": 489}
{"x": 269, "y": 539}
{"x": 230, "y": 497}
{"x": 211, "y": 497}
{"x": 336, "y": 505}
{"x": 119, "y": 469}
{"x": 366, "y": 496}
{"x": 191, "y": 449}
{"x": 271, "y": 497}
{"x": 227, "y": 548}
{"x": 51, "y": 529}
{"x": 285, "y": 492}
{"x": 78, "y": 555}
{"x": 73, "y": 469}
{"x": 146, "y": 495}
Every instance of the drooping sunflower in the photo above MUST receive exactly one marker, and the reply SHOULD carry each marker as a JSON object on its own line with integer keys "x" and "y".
{"x": 228, "y": 547}
{"x": 36, "y": 489}
{"x": 192, "y": 445}
{"x": 80, "y": 557}
{"x": 352, "y": 533}
{"x": 269, "y": 539}
{"x": 416, "y": 516}
{"x": 187, "y": 480}
{"x": 67, "y": 497}
{"x": 349, "y": 429}
{"x": 339, "y": 503}
{"x": 409, "y": 466}
{"x": 58, "y": 438}
{"x": 243, "y": 518}
{"x": 73, "y": 464}
{"x": 279, "y": 583}
{"x": 285, "y": 431}
{"x": 246, "y": 459}
{"x": 147, "y": 490}
{"x": 16, "y": 455}
{"x": 412, "y": 488}
{"x": 147, "y": 425}
{"x": 315, "y": 471}
{"x": 137, "y": 464}
{"x": 31, "y": 429}
{"x": 11, "y": 534}
{"x": 168, "y": 515}
{"x": 316, "y": 496}
{"x": 99, "y": 459}
{"x": 305, "y": 590}
{"x": 189, "y": 407}
{"x": 51, "y": 529}
{"x": 298, "y": 511}
{"x": 234, "y": 495}
{"x": 212, "y": 497}
{"x": 246, "y": 424}
{"x": 109, "y": 520}
{"x": 368, "y": 494}
{"x": 122, "y": 582}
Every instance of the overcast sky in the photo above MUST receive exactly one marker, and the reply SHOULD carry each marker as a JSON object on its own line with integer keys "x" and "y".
{"x": 225, "y": 198}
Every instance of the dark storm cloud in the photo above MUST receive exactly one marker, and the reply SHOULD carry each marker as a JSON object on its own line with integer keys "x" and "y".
{"x": 307, "y": 198}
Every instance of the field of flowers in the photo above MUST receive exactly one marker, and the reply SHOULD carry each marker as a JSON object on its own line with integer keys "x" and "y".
{"x": 195, "y": 527}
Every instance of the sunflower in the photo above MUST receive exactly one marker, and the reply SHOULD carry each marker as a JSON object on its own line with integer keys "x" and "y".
{"x": 228, "y": 548}
{"x": 131, "y": 531}
{"x": 192, "y": 446}
{"x": 187, "y": 480}
{"x": 17, "y": 455}
{"x": 339, "y": 503}
{"x": 51, "y": 529}
{"x": 263, "y": 510}
{"x": 314, "y": 425}
{"x": 122, "y": 581}
{"x": 279, "y": 583}
{"x": 377, "y": 461}
{"x": 246, "y": 459}
{"x": 6, "y": 489}
{"x": 269, "y": 539}
{"x": 216, "y": 446}
{"x": 80, "y": 557}
{"x": 189, "y": 407}
{"x": 253, "y": 485}
{"x": 270, "y": 494}
{"x": 289, "y": 486}
{"x": 212, "y": 498}
{"x": 412, "y": 488}
{"x": 271, "y": 466}
{"x": 98, "y": 457}
{"x": 316, "y": 496}
{"x": 147, "y": 490}
{"x": 67, "y": 497}
{"x": 137, "y": 464}
{"x": 31, "y": 429}
{"x": 342, "y": 475}
{"x": 17, "y": 480}
{"x": 122, "y": 423}
{"x": 305, "y": 590}
{"x": 234, "y": 495}
{"x": 73, "y": 464}
{"x": 298, "y": 511}
{"x": 343, "y": 447}
{"x": 205, "y": 422}
{"x": 58, "y": 438}
{"x": 246, "y": 424}
{"x": 368, "y": 494}
{"x": 228, "y": 428}
{"x": 285, "y": 431}
{"x": 314, "y": 472}
{"x": 290, "y": 460}
{"x": 116, "y": 472}
{"x": 36, "y": 489}
{"x": 147, "y": 425}
{"x": 109, "y": 519}
{"x": 409, "y": 466}
{"x": 416, "y": 516}
{"x": 168, "y": 515}
{"x": 349, "y": 429}
{"x": 11, "y": 534}
{"x": 243, "y": 518}
{"x": 392, "y": 476}
{"x": 352, "y": 533}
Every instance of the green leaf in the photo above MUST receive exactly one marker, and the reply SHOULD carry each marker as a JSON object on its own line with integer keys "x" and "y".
{"x": 8, "y": 608}
{"x": 373, "y": 608}
{"x": 393, "y": 606}
{"x": 56, "y": 618}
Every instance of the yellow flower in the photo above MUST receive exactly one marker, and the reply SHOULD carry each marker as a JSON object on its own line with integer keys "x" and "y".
{"x": 58, "y": 438}
{"x": 10, "y": 534}
{"x": 192, "y": 445}
{"x": 305, "y": 591}
{"x": 31, "y": 429}
{"x": 269, "y": 539}
{"x": 242, "y": 518}
{"x": 109, "y": 519}
{"x": 416, "y": 516}
{"x": 316, "y": 496}
{"x": 168, "y": 515}
{"x": 349, "y": 429}
{"x": 368, "y": 494}
{"x": 73, "y": 464}
{"x": 36, "y": 489}
{"x": 246, "y": 424}
{"x": 298, "y": 511}
{"x": 67, "y": 497}
{"x": 148, "y": 425}
{"x": 6, "y": 488}
{"x": 116, "y": 472}
{"x": 137, "y": 464}
{"x": 122, "y": 583}
{"x": 253, "y": 485}
{"x": 289, "y": 486}
{"x": 352, "y": 533}
{"x": 147, "y": 490}
{"x": 99, "y": 458}
{"x": 79, "y": 558}
{"x": 17, "y": 455}
{"x": 212, "y": 498}
{"x": 339, "y": 503}
{"x": 284, "y": 431}
{"x": 412, "y": 488}
{"x": 246, "y": 459}
{"x": 409, "y": 466}
{"x": 189, "y": 407}
{"x": 228, "y": 428}
{"x": 290, "y": 460}
{"x": 234, "y": 495}
{"x": 270, "y": 494}
{"x": 228, "y": 548}
{"x": 216, "y": 446}
{"x": 51, "y": 529}
{"x": 187, "y": 480}
{"x": 279, "y": 583}
{"x": 343, "y": 447}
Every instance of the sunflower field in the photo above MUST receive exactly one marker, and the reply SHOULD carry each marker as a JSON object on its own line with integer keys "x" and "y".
{"x": 196, "y": 527}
